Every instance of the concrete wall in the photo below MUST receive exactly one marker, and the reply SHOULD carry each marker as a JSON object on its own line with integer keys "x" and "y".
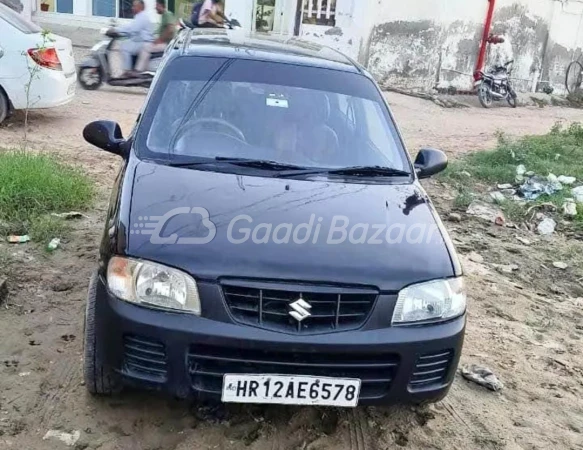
{"x": 434, "y": 43}
{"x": 353, "y": 23}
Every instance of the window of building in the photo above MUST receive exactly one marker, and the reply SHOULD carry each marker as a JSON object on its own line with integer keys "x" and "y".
{"x": 319, "y": 12}
{"x": 264, "y": 15}
{"x": 113, "y": 8}
{"x": 60, "y": 6}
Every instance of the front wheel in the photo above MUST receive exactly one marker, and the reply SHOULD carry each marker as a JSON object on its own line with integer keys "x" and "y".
{"x": 485, "y": 95}
{"x": 512, "y": 97}
{"x": 90, "y": 78}
{"x": 574, "y": 77}
{"x": 100, "y": 379}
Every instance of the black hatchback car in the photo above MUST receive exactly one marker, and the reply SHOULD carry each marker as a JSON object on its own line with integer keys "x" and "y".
{"x": 268, "y": 240}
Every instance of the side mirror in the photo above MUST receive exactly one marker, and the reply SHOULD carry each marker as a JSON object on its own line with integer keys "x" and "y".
{"x": 430, "y": 162}
{"x": 105, "y": 135}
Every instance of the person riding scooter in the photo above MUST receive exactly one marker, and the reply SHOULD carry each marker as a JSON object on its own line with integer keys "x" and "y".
{"x": 166, "y": 33}
{"x": 139, "y": 33}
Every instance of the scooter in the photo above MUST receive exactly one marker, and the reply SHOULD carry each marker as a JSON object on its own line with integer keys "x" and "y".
{"x": 97, "y": 69}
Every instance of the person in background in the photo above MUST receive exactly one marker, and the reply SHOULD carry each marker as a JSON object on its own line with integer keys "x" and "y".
{"x": 166, "y": 33}
{"x": 211, "y": 14}
{"x": 139, "y": 33}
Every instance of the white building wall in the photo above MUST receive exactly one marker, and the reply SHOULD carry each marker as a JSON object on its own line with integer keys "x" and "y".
{"x": 352, "y": 28}
{"x": 27, "y": 9}
{"x": 82, "y": 15}
{"x": 242, "y": 10}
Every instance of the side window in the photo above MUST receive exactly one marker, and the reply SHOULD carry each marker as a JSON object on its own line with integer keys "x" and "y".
{"x": 373, "y": 124}
{"x": 174, "y": 104}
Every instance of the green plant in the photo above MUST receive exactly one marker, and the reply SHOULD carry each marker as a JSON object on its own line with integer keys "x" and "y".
{"x": 33, "y": 70}
{"x": 463, "y": 199}
{"x": 44, "y": 228}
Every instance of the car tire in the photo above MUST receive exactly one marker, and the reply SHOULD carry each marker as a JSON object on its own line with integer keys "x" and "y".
{"x": 4, "y": 105}
{"x": 99, "y": 378}
{"x": 96, "y": 76}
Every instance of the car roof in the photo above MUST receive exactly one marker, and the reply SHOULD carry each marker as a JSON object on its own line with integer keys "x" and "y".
{"x": 241, "y": 45}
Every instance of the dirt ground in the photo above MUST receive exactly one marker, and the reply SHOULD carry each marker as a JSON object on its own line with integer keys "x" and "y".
{"x": 526, "y": 326}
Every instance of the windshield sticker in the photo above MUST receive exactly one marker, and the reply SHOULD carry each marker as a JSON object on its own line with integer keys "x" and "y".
{"x": 277, "y": 101}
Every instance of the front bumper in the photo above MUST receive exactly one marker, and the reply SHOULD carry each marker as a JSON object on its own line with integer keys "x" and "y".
{"x": 187, "y": 356}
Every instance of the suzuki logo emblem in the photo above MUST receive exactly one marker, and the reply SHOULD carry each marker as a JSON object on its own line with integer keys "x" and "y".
{"x": 300, "y": 309}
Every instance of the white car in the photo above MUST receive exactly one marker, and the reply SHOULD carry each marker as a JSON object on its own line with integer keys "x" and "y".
{"x": 37, "y": 70}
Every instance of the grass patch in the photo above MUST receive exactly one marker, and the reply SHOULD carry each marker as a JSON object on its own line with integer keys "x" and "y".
{"x": 559, "y": 152}
{"x": 32, "y": 187}
{"x": 45, "y": 228}
{"x": 463, "y": 198}
{"x": 513, "y": 211}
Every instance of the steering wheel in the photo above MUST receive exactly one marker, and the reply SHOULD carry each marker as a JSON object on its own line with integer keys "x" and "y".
{"x": 231, "y": 130}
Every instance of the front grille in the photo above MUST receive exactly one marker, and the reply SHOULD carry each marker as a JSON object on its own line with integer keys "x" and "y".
{"x": 145, "y": 357}
{"x": 271, "y": 308}
{"x": 208, "y": 364}
{"x": 431, "y": 369}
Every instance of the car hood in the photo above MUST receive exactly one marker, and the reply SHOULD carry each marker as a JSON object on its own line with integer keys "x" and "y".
{"x": 259, "y": 228}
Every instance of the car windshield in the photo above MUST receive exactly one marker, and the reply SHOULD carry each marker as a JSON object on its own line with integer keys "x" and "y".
{"x": 17, "y": 21}
{"x": 207, "y": 108}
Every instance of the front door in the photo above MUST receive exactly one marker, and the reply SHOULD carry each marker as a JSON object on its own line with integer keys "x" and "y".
{"x": 274, "y": 16}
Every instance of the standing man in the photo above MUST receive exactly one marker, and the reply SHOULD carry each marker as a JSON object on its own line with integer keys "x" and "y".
{"x": 211, "y": 14}
{"x": 139, "y": 33}
{"x": 166, "y": 33}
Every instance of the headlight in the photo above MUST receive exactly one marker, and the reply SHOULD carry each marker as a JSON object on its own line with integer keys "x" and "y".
{"x": 435, "y": 301}
{"x": 154, "y": 285}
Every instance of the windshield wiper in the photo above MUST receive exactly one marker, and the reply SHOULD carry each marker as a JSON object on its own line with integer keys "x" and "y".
{"x": 244, "y": 162}
{"x": 259, "y": 163}
{"x": 365, "y": 171}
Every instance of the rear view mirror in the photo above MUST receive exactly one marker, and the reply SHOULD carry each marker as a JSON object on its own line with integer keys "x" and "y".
{"x": 430, "y": 162}
{"x": 105, "y": 135}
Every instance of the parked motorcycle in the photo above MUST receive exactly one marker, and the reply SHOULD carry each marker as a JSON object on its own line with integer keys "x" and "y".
{"x": 495, "y": 85}
{"x": 97, "y": 69}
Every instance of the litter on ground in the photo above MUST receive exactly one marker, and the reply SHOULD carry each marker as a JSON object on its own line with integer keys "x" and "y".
{"x": 482, "y": 376}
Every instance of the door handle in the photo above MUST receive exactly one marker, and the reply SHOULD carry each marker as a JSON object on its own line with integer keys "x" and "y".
{"x": 1, "y": 52}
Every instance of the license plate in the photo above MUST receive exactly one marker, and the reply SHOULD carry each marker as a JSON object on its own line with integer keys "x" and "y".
{"x": 71, "y": 89}
{"x": 290, "y": 390}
